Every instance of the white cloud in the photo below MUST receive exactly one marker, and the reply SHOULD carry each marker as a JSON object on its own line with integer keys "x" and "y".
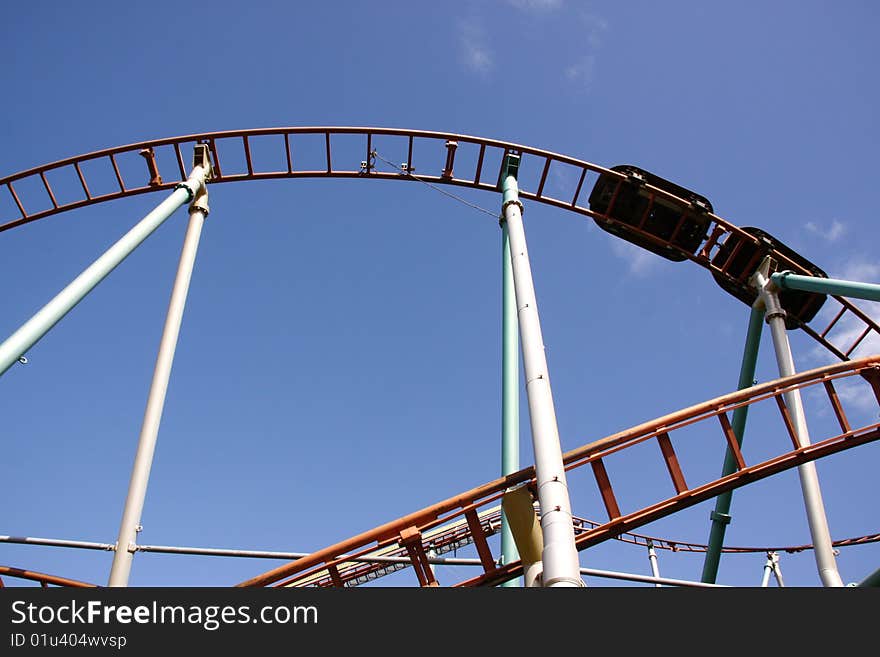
{"x": 536, "y": 5}
{"x": 582, "y": 70}
{"x": 640, "y": 262}
{"x": 475, "y": 53}
{"x": 855, "y": 393}
{"x": 860, "y": 271}
{"x": 830, "y": 234}
{"x": 596, "y": 28}
{"x": 849, "y": 328}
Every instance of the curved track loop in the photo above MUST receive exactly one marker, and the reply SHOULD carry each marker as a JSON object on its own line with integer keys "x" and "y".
{"x": 408, "y": 534}
{"x": 44, "y": 579}
{"x": 160, "y": 164}
{"x": 437, "y": 149}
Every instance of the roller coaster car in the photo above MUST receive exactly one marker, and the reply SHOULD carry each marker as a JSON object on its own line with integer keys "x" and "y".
{"x": 633, "y": 204}
{"x": 800, "y": 306}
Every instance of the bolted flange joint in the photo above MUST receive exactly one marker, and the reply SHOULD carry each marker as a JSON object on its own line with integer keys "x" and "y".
{"x": 200, "y": 202}
{"x": 512, "y": 201}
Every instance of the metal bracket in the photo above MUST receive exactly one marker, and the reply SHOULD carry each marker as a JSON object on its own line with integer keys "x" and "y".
{"x": 450, "y": 158}
{"x": 200, "y": 202}
{"x": 150, "y": 156}
{"x": 202, "y": 158}
{"x": 509, "y": 167}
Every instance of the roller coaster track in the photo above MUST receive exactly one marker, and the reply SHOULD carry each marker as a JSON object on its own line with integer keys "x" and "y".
{"x": 471, "y": 517}
{"x": 44, "y": 579}
{"x": 408, "y": 534}
{"x": 137, "y": 168}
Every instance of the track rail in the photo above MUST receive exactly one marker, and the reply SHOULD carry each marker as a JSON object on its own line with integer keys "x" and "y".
{"x": 407, "y": 533}
{"x": 159, "y": 165}
{"x": 44, "y": 579}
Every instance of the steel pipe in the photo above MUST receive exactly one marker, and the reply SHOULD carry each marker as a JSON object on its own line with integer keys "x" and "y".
{"x": 509, "y": 394}
{"x": 815, "y": 509}
{"x": 720, "y": 516}
{"x": 559, "y": 556}
{"x": 786, "y": 280}
{"x": 137, "y": 489}
{"x": 15, "y": 346}
{"x": 652, "y": 558}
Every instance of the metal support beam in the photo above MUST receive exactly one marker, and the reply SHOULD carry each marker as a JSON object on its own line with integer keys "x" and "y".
{"x": 559, "y": 556}
{"x": 786, "y": 280}
{"x": 659, "y": 581}
{"x": 17, "y": 344}
{"x": 871, "y": 580}
{"x": 137, "y": 489}
{"x": 54, "y": 542}
{"x": 509, "y": 395}
{"x": 777, "y": 570}
{"x": 815, "y": 508}
{"x": 768, "y": 568}
{"x": 652, "y": 557}
{"x": 721, "y": 515}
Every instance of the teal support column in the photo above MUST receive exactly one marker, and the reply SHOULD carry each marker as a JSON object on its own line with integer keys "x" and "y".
{"x": 721, "y": 515}
{"x": 14, "y": 347}
{"x": 509, "y": 394}
{"x": 871, "y": 580}
{"x": 788, "y": 281}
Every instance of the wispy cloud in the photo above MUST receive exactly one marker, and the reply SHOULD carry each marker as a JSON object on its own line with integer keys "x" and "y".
{"x": 581, "y": 71}
{"x": 846, "y": 331}
{"x": 830, "y": 233}
{"x": 639, "y": 261}
{"x": 536, "y": 5}
{"x": 596, "y": 27}
{"x": 860, "y": 271}
{"x": 855, "y": 393}
{"x": 474, "y": 51}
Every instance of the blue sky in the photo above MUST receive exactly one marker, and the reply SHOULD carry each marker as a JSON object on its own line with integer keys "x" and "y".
{"x": 339, "y": 361}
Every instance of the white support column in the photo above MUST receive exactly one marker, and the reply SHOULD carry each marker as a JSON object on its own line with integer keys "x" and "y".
{"x": 137, "y": 489}
{"x": 815, "y": 508}
{"x": 768, "y": 568}
{"x": 777, "y": 571}
{"x": 652, "y": 557}
{"x": 559, "y": 556}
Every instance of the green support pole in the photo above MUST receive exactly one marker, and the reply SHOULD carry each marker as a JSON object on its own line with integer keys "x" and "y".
{"x": 509, "y": 394}
{"x": 788, "y": 281}
{"x": 721, "y": 515}
{"x": 871, "y": 580}
{"x": 29, "y": 333}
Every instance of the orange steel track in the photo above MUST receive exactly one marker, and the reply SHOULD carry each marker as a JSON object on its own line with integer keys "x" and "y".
{"x": 406, "y": 532}
{"x": 328, "y": 566}
{"x": 443, "y": 147}
{"x": 44, "y": 579}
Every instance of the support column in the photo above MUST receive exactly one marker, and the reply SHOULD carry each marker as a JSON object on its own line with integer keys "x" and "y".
{"x": 721, "y": 515}
{"x": 652, "y": 557}
{"x": 509, "y": 395}
{"x": 777, "y": 570}
{"x": 768, "y": 568}
{"x": 786, "y": 280}
{"x": 137, "y": 489}
{"x": 559, "y": 555}
{"x": 15, "y": 346}
{"x": 815, "y": 508}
